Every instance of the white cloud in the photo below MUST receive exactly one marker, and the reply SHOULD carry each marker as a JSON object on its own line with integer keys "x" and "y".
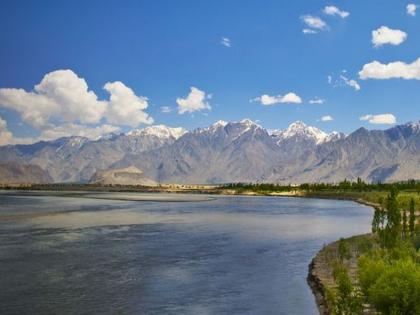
{"x": 166, "y": 109}
{"x": 290, "y": 98}
{"x": 350, "y": 82}
{"x": 5, "y": 135}
{"x": 195, "y": 101}
{"x": 77, "y": 130}
{"x": 63, "y": 97}
{"x": 60, "y": 95}
{"x": 225, "y": 41}
{"x": 392, "y": 70}
{"x": 333, "y": 10}
{"x": 314, "y": 22}
{"x": 317, "y": 100}
{"x": 343, "y": 81}
{"x": 329, "y": 79}
{"x": 411, "y": 9}
{"x": 54, "y": 132}
{"x": 125, "y": 107}
{"x": 385, "y": 35}
{"x": 309, "y": 31}
{"x": 62, "y": 105}
{"x": 327, "y": 118}
{"x": 387, "y": 119}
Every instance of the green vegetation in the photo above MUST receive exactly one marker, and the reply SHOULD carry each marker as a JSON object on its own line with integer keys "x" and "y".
{"x": 348, "y": 299}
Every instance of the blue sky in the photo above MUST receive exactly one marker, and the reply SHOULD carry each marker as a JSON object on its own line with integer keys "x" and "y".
{"x": 160, "y": 49}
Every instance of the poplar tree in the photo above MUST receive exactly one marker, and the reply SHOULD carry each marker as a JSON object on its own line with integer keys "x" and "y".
{"x": 412, "y": 219}
{"x": 404, "y": 224}
{"x": 393, "y": 225}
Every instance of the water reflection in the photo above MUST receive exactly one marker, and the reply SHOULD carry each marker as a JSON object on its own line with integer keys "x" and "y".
{"x": 233, "y": 255}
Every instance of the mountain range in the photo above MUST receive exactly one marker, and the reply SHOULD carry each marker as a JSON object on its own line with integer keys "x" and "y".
{"x": 224, "y": 152}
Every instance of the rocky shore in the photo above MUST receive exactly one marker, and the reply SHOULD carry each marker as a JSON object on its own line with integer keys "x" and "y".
{"x": 316, "y": 282}
{"x": 320, "y": 271}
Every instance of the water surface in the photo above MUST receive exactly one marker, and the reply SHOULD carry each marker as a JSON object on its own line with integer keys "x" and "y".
{"x": 231, "y": 255}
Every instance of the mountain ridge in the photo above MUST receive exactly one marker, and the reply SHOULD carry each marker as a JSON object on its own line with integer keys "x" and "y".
{"x": 241, "y": 151}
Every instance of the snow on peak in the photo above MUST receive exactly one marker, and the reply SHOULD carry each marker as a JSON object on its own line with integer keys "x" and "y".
{"x": 77, "y": 141}
{"x": 301, "y": 130}
{"x": 108, "y": 136}
{"x": 248, "y": 122}
{"x": 160, "y": 131}
{"x": 220, "y": 123}
{"x": 334, "y": 136}
{"x": 414, "y": 125}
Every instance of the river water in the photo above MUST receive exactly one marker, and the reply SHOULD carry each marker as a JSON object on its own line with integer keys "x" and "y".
{"x": 227, "y": 255}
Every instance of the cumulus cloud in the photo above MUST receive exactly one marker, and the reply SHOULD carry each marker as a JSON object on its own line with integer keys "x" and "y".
{"x": 125, "y": 107}
{"x": 314, "y": 22}
{"x": 316, "y": 100}
{"x": 225, "y": 41}
{"x": 60, "y": 95}
{"x": 386, "y": 119}
{"x": 195, "y": 101}
{"x": 290, "y": 98}
{"x": 385, "y": 35}
{"x": 327, "y": 118}
{"x": 392, "y": 70}
{"x": 5, "y": 135}
{"x": 62, "y": 105}
{"x": 411, "y": 9}
{"x": 333, "y": 10}
{"x": 64, "y": 97}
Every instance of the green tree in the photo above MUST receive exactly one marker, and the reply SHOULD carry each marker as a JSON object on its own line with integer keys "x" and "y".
{"x": 390, "y": 235}
{"x": 397, "y": 290}
{"x": 404, "y": 224}
{"x": 376, "y": 221}
{"x": 348, "y": 299}
{"x": 343, "y": 249}
{"x": 412, "y": 219}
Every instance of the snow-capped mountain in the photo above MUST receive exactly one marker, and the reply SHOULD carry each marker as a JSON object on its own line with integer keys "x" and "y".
{"x": 159, "y": 131}
{"x": 334, "y": 136}
{"x": 301, "y": 131}
{"x": 231, "y": 152}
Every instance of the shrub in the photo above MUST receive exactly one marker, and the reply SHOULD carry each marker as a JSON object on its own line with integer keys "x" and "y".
{"x": 397, "y": 289}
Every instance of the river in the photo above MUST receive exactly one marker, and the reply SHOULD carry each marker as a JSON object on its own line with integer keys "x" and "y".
{"x": 218, "y": 255}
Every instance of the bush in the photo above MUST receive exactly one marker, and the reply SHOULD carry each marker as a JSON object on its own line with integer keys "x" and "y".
{"x": 347, "y": 300}
{"x": 392, "y": 288}
{"x": 369, "y": 271}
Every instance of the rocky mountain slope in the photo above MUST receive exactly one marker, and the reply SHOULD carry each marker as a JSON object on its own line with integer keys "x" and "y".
{"x": 232, "y": 152}
{"x": 76, "y": 159}
{"x": 15, "y": 173}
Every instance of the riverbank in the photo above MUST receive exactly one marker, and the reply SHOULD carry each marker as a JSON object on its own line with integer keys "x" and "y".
{"x": 321, "y": 271}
